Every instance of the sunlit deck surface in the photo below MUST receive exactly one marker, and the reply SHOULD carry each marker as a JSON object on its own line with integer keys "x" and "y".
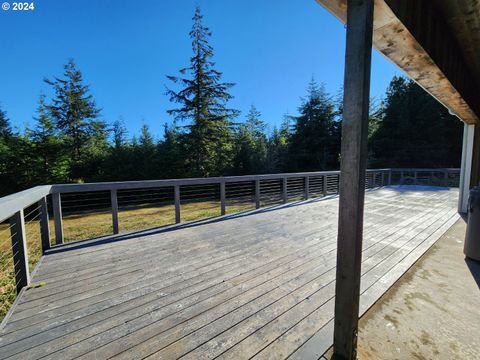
{"x": 258, "y": 284}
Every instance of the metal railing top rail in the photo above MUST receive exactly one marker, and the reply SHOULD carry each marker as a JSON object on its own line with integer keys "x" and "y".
{"x": 424, "y": 169}
{"x": 13, "y": 203}
{"x": 122, "y": 185}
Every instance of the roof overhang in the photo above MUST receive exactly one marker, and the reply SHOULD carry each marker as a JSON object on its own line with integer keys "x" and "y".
{"x": 436, "y": 43}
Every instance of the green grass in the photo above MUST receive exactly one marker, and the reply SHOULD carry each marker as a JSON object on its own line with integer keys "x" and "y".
{"x": 94, "y": 224}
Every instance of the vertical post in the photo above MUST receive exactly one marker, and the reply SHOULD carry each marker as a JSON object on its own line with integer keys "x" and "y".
{"x": 389, "y": 177}
{"x": 325, "y": 183}
{"x": 445, "y": 177}
{"x": 19, "y": 249}
{"x": 57, "y": 217}
{"x": 284, "y": 190}
{"x": 257, "y": 194}
{"x": 352, "y": 179}
{"x": 466, "y": 167}
{"x": 114, "y": 201}
{"x": 44, "y": 225}
{"x": 307, "y": 187}
{"x": 415, "y": 177}
{"x": 222, "y": 197}
{"x": 177, "y": 204}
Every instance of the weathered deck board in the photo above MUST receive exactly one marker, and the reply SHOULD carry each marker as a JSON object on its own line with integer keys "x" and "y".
{"x": 259, "y": 284}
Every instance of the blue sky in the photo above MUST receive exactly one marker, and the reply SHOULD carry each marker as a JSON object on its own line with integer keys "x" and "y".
{"x": 269, "y": 48}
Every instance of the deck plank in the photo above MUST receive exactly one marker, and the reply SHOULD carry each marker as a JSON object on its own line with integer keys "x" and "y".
{"x": 259, "y": 284}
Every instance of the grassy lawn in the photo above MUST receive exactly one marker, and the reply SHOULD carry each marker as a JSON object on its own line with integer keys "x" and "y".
{"x": 94, "y": 224}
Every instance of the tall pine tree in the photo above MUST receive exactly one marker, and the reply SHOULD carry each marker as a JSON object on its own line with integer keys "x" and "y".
{"x": 315, "y": 143}
{"x": 251, "y": 145}
{"x": 49, "y": 159}
{"x": 203, "y": 99}
{"x": 75, "y": 115}
{"x": 414, "y": 130}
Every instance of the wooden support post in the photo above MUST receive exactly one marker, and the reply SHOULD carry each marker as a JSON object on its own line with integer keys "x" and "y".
{"x": 325, "y": 184}
{"x": 114, "y": 201}
{"x": 307, "y": 187}
{"x": 19, "y": 249}
{"x": 57, "y": 217}
{"x": 257, "y": 194}
{"x": 467, "y": 166}
{"x": 352, "y": 179}
{"x": 44, "y": 225}
{"x": 284, "y": 190}
{"x": 177, "y": 204}
{"x": 222, "y": 198}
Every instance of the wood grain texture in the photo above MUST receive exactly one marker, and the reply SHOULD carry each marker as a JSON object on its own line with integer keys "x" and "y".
{"x": 258, "y": 284}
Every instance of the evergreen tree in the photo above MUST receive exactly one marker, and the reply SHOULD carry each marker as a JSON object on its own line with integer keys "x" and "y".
{"x": 119, "y": 164}
{"x": 48, "y": 158}
{"x": 5, "y": 128}
{"x": 251, "y": 145}
{"x": 119, "y": 132}
{"x": 315, "y": 143}
{"x": 415, "y": 130}
{"x": 144, "y": 155}
{"x": 203, "y": 99}
{"x": 278, "y": 148}
{"x": 75, "y": 115}
{"x": 7, "y": 176}
{"x": 16, "y": 172}
{"x": 171, "y": 154}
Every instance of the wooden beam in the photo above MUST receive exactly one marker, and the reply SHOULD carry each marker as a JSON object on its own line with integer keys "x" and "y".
{"x": 425, "y": 22}
{"x": 352, "y": 179}
{"x": 415, "y": 37}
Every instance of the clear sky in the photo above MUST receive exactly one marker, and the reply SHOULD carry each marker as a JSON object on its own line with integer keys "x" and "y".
{"x": 269, "y": 48}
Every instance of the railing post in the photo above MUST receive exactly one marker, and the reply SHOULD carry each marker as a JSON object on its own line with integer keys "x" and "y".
{"x": 19, "y": 249}
{"x": 445, "y": 175}
{"x": 307, "y": 187}
{"x": 44, "y": 225}
{"x": 415, "y": 177}
{"x": 257, "y": 194}
{"x": 177, "y": 204}
{"x": 222, "y": 197}
{"x": 325, "y": 189}
{"x": 57, "y": 217}
{"x": 114, "y": 201}
{"x": 284, "y": 190}
{"x": 390, "y": 177}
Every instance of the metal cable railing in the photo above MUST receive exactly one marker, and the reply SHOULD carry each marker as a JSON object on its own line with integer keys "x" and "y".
{"x": 85, "y": 211}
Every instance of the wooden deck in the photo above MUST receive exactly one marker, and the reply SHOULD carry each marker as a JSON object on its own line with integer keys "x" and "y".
{"x": 256, "y": 285}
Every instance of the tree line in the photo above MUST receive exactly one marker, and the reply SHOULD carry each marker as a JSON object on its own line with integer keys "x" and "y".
{"x": 70, "y": 142}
